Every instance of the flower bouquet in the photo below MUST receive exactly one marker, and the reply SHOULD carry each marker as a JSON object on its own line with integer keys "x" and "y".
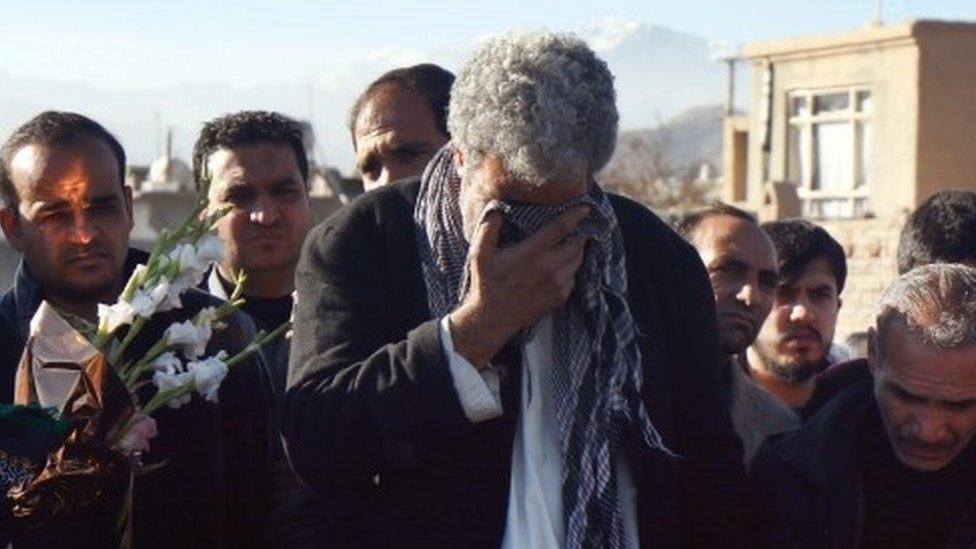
{"x": 85, "y": 374}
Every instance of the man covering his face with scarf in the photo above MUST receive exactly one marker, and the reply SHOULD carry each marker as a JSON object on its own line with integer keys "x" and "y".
{"x": 500, "y": 354}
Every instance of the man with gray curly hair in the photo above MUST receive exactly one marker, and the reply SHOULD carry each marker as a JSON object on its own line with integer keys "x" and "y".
{"x": 500, "y": 354}
{"x": 894, "y": 460}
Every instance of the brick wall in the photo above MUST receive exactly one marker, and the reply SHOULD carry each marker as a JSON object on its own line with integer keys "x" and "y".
{"x": 871, "y": 246}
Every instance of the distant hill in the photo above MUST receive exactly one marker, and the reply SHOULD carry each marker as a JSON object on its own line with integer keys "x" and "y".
{"x": 685, "y": 141}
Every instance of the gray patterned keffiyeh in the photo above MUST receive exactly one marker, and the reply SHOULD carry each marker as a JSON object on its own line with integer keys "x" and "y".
{"x": 597, "y": 372}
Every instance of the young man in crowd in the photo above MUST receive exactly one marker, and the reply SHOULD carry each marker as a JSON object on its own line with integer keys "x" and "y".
{"x": 890, "y": 463}
{"x": 256, "y": 165}
{"x": 68, "y": 211}
{"x": 741, "y": 263}
{"x": 399, "y": 122}
{"x": 457, "y": 387}
{"x": 794, "y": 345}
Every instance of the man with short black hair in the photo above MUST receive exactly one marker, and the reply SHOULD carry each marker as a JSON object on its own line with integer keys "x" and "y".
{"x": 941, "y": 230}
{"x": 68, "y": 210}
{"x": 890, "y": 463}
{"x": 399, "y": 122}
{"x": 741, "y": 263}
{"x": 794, "y": 345}
{"x": 256, "y": 166}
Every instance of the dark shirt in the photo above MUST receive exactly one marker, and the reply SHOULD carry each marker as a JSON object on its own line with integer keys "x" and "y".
{"x": 904, "y": 507}
{"x": 267, "y": 312}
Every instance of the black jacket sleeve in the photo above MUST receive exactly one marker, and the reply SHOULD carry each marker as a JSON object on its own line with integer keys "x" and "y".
{"x": 369, "y": 387}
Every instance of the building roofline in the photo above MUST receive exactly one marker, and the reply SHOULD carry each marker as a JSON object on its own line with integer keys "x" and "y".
{"x": 908, "y": 31}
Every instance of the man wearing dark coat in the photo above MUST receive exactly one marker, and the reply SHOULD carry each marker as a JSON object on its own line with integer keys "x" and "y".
{"x": 500, "y": 354}
{"x": 888, "y": 463}
{"x": 68, "y": 211}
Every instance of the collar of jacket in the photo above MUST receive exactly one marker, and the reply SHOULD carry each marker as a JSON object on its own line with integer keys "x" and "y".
{"x": 824, "y": 449}
{"x": 213, "y": 285}
{"x": 28, "y": 295}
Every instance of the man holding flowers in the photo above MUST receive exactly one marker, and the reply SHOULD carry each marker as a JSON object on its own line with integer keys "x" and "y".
{"x": 67, "y": 209}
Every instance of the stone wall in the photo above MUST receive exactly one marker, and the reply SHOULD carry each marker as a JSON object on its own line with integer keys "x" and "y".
{"x": 871, "y": 247}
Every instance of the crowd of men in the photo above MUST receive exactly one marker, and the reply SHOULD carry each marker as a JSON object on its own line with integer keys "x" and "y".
{"x": 489, "y": 351}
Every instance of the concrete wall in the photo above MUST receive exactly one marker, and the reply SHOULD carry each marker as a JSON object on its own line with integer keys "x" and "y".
{"x": 947, "y": 113}
{"x": 871, "y": 247}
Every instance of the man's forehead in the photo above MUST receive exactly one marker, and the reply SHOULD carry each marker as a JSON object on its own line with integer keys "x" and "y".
{"x": 241, "y": 163}
{"x": 726, "y": 234}
{"x": 816, "y": 273}
{"x": 393, "y": 108}
{"x": 926, "y": 370}
{"x": 83, "y": 168}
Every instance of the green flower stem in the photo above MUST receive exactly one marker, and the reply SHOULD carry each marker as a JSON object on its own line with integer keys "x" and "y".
{"x": 260, "y": 339}
{"x": 162, "y": 397}
{"x": 137, "y": 325}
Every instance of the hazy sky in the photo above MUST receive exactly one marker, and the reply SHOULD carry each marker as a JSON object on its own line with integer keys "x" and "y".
{"x": 125, "y": 62}
{"x": 134, "y": 43}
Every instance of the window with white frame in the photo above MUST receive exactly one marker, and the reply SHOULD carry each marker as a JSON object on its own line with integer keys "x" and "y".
{"x": 828, "y": 143}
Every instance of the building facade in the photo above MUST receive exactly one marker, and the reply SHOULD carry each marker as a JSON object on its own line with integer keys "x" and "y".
{"x": 855, "y": 130}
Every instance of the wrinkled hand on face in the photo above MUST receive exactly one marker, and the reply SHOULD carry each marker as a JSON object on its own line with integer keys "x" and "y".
{"x": 138, "y": 431}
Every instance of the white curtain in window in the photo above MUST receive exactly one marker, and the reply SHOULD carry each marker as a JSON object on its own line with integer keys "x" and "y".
{"x": 833, "y": 148}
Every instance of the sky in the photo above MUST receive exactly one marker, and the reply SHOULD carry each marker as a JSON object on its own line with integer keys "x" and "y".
{"x": 126, "y": 43}
{"x": 310, "y": 57}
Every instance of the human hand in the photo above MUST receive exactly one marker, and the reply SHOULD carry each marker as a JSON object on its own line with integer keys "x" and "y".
{"x": 511, "y": 288}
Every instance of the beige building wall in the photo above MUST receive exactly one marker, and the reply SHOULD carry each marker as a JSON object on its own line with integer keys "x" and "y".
{"x": 922, "y": 76}
{"x": 885, "y": 59}
{"x": 947, "y": 112}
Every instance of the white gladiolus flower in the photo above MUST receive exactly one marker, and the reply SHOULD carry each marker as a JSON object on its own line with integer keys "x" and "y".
{"x": 167, "y": 363}
{"x": 185, "y": 255}
{"x": 209, "y": 249}
{"x": 189, "y": 337}
{"x": 165, "y": 382}
{"x": 145, "y": 303}
{"x": 208, "y": 374}
{"x": 111, "y": 317}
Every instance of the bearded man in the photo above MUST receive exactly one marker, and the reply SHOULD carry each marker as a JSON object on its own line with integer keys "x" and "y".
{"x": 500, "y": 354}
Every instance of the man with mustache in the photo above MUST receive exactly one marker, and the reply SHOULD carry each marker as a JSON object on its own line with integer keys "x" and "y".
{"x": 256, "y": 165}
{"x": 890, "y": 463}
{"x": 500, "y": 354}
{"x": 399, "y": 123}
{"x": 794, "y": 344}
{"x": 67, "y": 209}
{"x": 741, "y": 263}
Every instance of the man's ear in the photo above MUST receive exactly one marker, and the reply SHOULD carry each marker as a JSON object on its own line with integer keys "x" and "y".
{"x": 10, "y": 221}
{"x": 840, "y": 303}
{"x": 872, "y": 350}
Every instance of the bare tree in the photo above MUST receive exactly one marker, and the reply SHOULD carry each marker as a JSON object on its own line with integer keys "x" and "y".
{"x": 643, "y": 168}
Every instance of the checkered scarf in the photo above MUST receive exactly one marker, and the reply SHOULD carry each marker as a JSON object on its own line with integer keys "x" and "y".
{"x": 597, "y": 371}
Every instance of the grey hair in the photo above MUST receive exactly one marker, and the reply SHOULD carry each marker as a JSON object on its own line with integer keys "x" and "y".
{"x": 936, "y": 301}
{"x": 541, "y": 101}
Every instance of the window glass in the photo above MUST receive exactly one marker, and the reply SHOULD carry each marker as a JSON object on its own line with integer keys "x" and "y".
{"x": 830, "y": 102}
